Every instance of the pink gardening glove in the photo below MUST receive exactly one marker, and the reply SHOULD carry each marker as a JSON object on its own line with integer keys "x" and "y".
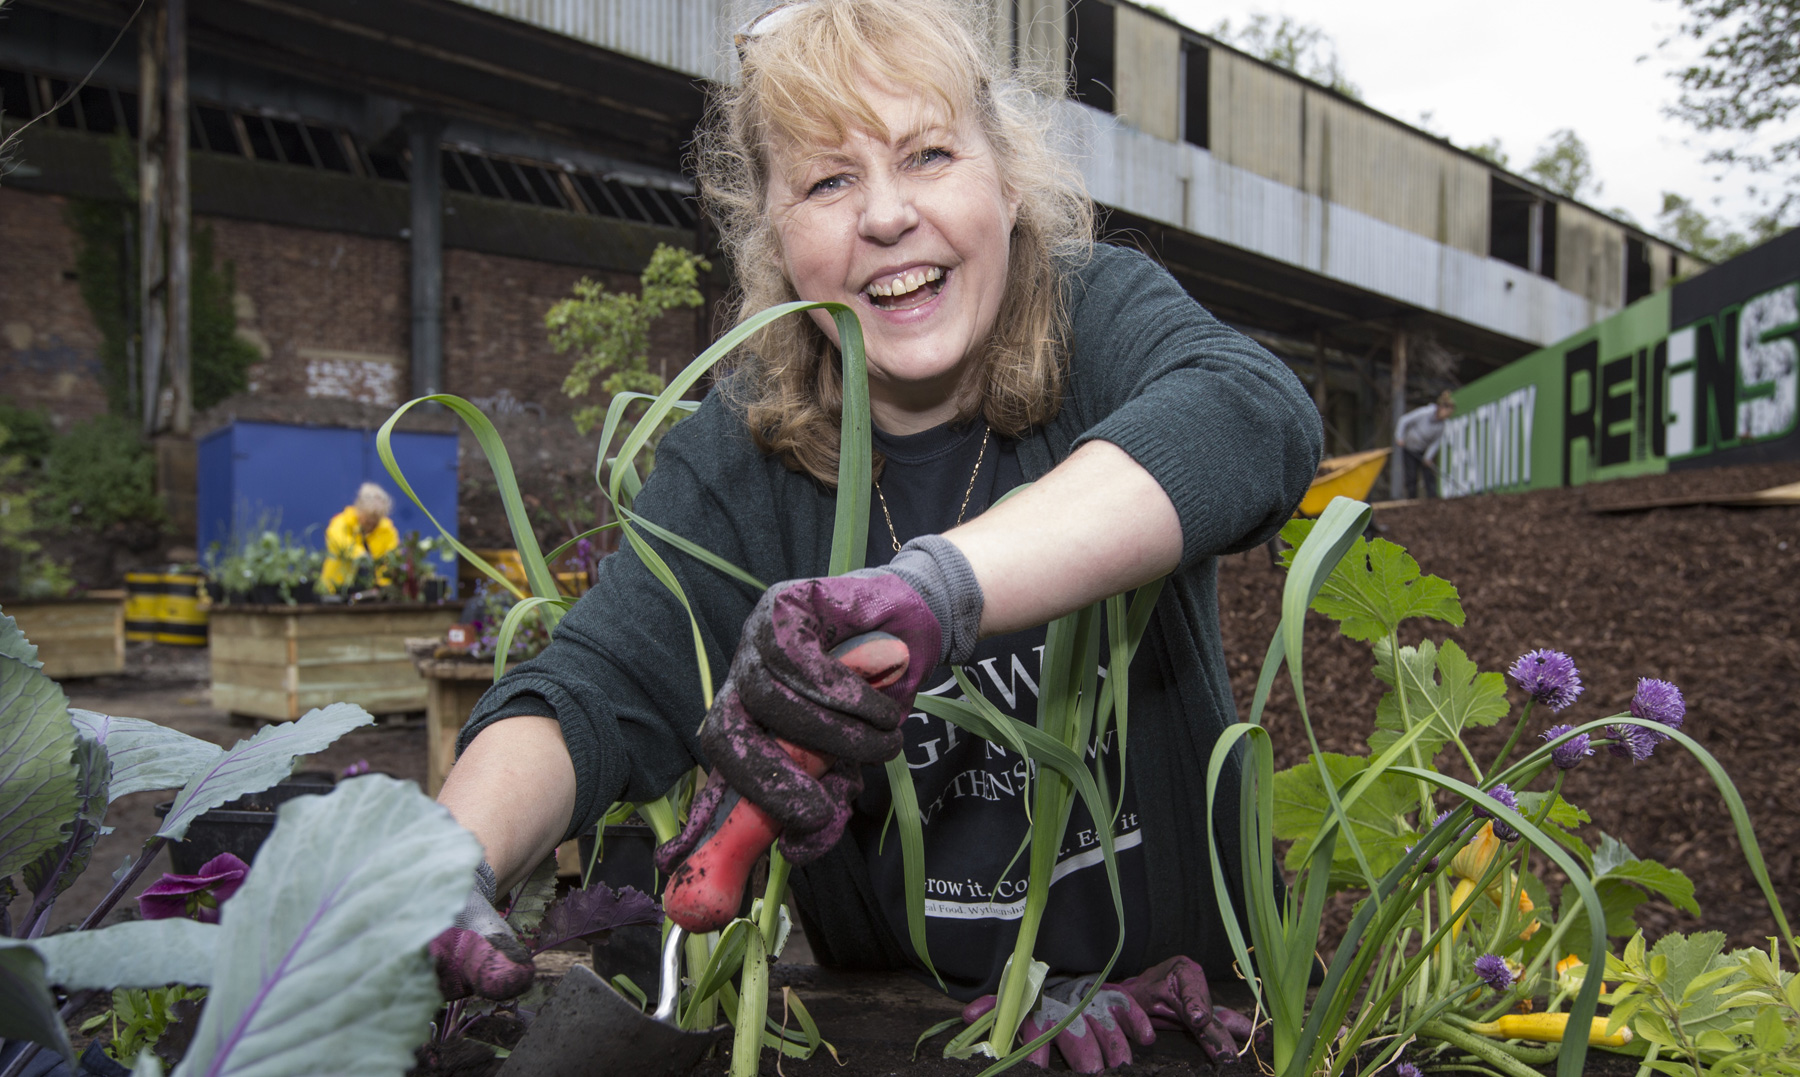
{"x": 784, "y": 683}
{"x": 1175, "y": 995}
{"x": 478, "y": 954}
{"x": 1097, "y": 1039}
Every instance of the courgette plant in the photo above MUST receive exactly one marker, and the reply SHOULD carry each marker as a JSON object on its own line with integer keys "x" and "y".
{"x": 1074, "y": 709}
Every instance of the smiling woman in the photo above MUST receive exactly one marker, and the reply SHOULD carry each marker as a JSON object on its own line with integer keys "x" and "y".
{"x": 871, "y": 155}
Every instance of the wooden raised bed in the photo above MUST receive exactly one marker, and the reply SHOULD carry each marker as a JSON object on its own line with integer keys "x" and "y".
{"x": 75, "y": 637}
{"x": 453, "y": 687}
{"x": 279, "y": 662}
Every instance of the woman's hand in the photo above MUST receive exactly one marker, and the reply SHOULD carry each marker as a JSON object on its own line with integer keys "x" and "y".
{"x": 1175, "y": 995}
{"x": 1098, "y": 1038}
{"x": 784, "y": 685}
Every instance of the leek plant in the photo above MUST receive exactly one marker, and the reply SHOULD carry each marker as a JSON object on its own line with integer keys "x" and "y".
{"x": 1074, "y": 710}
{"x": 1422, "y": 962}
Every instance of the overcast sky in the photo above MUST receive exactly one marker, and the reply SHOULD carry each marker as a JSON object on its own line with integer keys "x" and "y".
{"x": 1519, "y": 71}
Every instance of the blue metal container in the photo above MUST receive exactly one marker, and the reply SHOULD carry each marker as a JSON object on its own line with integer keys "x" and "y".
{"x": 296, "y": 478}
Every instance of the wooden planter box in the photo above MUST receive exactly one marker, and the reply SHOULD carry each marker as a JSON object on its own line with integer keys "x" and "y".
{"x": 452, "y": 689}
{"x": 280, "y": 662}
{"x": 75, "y": 637}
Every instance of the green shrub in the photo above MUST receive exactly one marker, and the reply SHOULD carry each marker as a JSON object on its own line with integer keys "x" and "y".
{"x": 99, "y": 474}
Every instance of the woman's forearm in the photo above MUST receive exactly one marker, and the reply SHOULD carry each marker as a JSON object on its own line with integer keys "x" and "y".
{"x": 1096, "y": 525}
{"x": 514, "y": 789}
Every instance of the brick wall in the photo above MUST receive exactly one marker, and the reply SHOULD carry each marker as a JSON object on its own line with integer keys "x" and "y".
{"x": 49, "y": 347}
{"x": 327, "y": 311}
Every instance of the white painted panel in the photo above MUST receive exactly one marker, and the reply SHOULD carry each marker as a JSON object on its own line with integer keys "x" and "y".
{"x": 684, "y": 35}
{"x": 1143, "y": 175}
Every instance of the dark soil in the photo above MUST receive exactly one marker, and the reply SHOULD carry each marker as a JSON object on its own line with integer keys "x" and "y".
{"x": 1703, "y": 597}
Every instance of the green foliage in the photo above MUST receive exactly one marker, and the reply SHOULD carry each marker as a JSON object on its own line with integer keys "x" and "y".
{"x": 1492, "y": 152}
{"x": 1378, "y": 816}
{"x": 220, "y": 358}
{"x": 1289, "y": 43}
{"x": 107, "y": 234}
{"x": 264, "y": 558}
{"x": 1376, "y": 586}
{"x": 1708, "y": 1011}
{"x": 38, "y": 773}
{"x": 1747, "y": 81}
{"x": 1709, "y": 237}
{"x": 34, "y": 574}
{"x": 1439, "y": 689}
{"x": 1564, "y": 165}
{"x": 609, "y": 332}
{"x": 108, "y": 281}
{"x": 138, "y": 1019}
{"x": 100, "y": 474}
{"x": 26, "y": 433}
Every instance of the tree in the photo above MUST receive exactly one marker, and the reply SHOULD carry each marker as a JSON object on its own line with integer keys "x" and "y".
{"x": 1709, "y": 237}
{"x": 610, "y": 331}
{"x": 1747, "y": 81}
{"x": 1289, "y": 43}
{"x": 1564, "y": 165}
{"x": 1492, "y": 152}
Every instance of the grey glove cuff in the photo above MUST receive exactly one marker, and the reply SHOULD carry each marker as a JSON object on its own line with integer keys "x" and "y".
{"x": 934, "y": 567}
{"x": 485, "y": 883}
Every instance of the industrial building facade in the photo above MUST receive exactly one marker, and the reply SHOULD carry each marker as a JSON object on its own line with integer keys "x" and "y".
{"x": 403, "y": 187}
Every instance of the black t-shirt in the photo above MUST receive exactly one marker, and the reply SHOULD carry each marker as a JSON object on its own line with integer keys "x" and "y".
{"x": 970, "y": 791}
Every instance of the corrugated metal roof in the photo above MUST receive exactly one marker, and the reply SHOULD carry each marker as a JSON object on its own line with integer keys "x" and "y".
{"x": 680, "y": 34}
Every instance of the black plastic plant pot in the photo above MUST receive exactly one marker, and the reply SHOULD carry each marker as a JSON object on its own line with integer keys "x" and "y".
{"x": 432, "y": 591}
{"x": 240, "y": 826}
{"x": 629, "y": 861}
{"x": 95, "y": 1062}
{"x": 267, "y": 594}
{"x": 304, "y": 593}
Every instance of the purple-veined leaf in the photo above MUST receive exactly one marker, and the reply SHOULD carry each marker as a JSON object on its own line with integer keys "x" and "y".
{"x": 63, "y": 863}
{"x": 259, "y": 763}
{"x": 27, "y": 1011}
{"x": 37, "y": 765}
{"x": 584, "y": 913}
{"x": 321, "y": 964}
{"x": 144, "y": 755}
{"x": 13, "y": 643}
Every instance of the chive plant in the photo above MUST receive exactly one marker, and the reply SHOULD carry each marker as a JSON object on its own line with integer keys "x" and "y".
{"x": 1406, "y": 969}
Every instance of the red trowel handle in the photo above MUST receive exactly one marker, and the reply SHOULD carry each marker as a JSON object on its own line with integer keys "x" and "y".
{"x": 707, "y": 890}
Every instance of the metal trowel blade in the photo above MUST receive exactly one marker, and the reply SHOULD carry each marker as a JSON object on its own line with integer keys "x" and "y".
{"x": 587, "y": 1029}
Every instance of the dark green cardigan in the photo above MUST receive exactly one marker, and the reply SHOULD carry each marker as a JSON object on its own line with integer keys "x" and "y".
{"x": 1224, "y": 427}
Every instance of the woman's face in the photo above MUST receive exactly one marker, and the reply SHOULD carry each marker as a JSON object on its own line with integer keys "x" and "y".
{"x": 912, "y": 232}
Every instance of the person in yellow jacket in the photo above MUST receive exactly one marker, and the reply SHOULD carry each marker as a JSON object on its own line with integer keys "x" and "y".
{"x": 361, "y": 531}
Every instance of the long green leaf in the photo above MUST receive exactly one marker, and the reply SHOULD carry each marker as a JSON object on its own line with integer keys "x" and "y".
{"x": 537, "y": 571}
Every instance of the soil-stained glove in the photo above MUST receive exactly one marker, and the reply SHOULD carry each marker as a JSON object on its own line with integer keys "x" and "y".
{"x": 785, "y": 684}
{"x": 478, "y": 954}
{"x": 1175, "y": 995}
{"x": 1098, "y": 1038}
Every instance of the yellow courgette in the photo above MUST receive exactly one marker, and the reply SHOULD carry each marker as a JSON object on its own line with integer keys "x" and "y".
{"x": 1547, "y": 1028}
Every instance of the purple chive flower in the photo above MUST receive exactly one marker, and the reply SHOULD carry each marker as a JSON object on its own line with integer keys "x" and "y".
{"x": 1632, "y": 742}
{"x": 1407, "y": 1069}
{"x": 1550, "y": 677}
{"x": 1660, "y": 702}
{"x": 1570, "y": 752}
{"x": 1493, "y": 971}
{"x": 1504, "y": 794}
{"x": 197, "y": 897}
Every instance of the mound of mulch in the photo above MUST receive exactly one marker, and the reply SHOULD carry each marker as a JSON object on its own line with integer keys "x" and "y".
{"x": 1700, "y": 596}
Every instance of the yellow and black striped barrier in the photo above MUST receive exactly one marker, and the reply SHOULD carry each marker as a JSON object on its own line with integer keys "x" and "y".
{"x": 166, "y": 607}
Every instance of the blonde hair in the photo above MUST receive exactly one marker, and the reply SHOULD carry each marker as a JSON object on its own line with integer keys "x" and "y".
{"x": 371, "y": 498}
{"x": 802, "y": 79}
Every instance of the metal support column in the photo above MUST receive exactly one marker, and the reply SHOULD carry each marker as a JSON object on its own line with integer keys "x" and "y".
{"x": 152, "y": 327}
{"x": 175, "y": 128}
{"x": 424, "y": 133}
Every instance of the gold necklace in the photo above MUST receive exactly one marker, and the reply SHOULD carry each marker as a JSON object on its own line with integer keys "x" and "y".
{"x": 894, "y": 536}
